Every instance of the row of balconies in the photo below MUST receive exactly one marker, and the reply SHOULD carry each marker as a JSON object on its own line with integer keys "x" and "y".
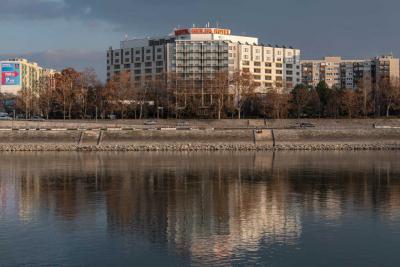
{"x": 216, "y": 50}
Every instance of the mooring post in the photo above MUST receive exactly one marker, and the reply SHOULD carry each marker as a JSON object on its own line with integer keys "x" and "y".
{"x": 273, "y": 137}
{"x": 81, "y": 138}
{"x": 100, "y": 138}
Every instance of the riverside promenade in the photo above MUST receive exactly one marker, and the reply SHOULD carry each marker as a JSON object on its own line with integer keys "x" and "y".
{"x": 198, "y": 135}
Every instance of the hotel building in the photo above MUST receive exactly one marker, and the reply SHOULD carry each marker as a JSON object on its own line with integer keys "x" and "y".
{"x": 198, "y": 53}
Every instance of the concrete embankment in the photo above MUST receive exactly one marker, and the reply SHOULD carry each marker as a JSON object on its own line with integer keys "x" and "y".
{"x": 119, "y": 139}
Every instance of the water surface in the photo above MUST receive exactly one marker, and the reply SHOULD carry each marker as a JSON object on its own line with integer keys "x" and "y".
{"x": 214, "y": 209}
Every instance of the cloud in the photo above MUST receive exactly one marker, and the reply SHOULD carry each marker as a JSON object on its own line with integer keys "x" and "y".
{"x": 60, "y": 59}
{"x": 319, "y": 27}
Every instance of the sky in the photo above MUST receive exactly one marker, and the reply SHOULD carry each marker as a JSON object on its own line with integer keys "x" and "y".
{"x": 77, "y": 33}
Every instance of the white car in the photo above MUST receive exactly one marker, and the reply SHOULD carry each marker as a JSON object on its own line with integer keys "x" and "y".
{"x": 5, "y": 118}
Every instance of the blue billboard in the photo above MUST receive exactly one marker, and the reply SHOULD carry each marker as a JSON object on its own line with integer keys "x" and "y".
{"x": 10, "y": 74}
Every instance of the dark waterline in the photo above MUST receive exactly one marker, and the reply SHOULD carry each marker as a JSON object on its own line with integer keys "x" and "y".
{"x": 214, "y": 209}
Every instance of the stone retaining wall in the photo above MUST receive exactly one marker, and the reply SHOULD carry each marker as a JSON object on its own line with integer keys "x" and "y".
{"x": 211, "y": 139}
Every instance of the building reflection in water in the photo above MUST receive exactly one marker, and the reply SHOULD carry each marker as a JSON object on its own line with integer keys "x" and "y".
{"x": 207, "y": 206}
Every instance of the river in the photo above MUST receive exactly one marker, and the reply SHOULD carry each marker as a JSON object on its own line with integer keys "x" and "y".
{"x": 200, "y": 209}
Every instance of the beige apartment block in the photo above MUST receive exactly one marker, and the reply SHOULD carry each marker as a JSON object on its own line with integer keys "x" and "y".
{"x": 350, "y": 74}
{"x": 17, "y": 74}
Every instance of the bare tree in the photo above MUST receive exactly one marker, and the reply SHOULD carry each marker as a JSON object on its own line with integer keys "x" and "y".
{"x": 66, "y": 90}
{"x": 87, "y": 81}
{"x": 220, "y": 84}
{"x": 46, "y": 96}
{"x": 243, "y": 86}
{"x": 390, "y": 94}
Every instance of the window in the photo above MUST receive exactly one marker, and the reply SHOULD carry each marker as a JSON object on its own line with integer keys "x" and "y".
{"x": 159, "y": 63}
{"x": 289, "y": 66}
{"x": 289, "y": 72}
{"x": 138, "y": 71}
{"x": 159, "y": 56}
{"x": 257, "y": 77}
{"x": 257, "y": 70}
{"x": 159, "y": 70}
{"x": 279, "y": 78}
{"x": 149, "y": 64}
{"x": 116, "y": 61}
{"x": 159, "y": 50}
{"x": 268, "y": 78}
{"x": 138, "y": 65}
{"x": 127, "y": 66}
{"x": 268, "y": 64}
{"x": 148, "y": 51}
{"x": 117, "y": 67}
{"x": 246, "y": 63}
{"x": 289, "y": 79}
{"x": 137, "y": 52}
{"x": 278, "y": 72}
{"x": 127, "y": 53}
{"x": 246, "y": 50}
{"x": 147, "y": 71}
{"x": 116, "y": 54}
{"x": 258, "y": 64}
{"x": 148, "y": 57}
{"x": 127, "y": 60}
{"x": 278, "y": 65}
{"x": 268, "y": 71}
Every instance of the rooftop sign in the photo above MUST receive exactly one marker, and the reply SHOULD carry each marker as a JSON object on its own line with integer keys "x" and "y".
{"x": 202, "y": 31}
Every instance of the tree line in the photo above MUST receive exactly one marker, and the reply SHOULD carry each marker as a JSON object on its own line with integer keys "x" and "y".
{"x": 80, "y": 95}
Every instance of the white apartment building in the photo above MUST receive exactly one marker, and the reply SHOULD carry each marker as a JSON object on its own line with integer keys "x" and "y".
{"x": 197, "y": 53}
{"x": 18, "y": 73}
{"x": 350, "y": 74}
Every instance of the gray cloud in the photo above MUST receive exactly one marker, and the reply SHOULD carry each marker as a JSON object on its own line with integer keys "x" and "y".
{"x": 356, "y": 28}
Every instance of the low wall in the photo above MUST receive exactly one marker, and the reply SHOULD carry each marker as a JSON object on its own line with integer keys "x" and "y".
{"x": 173, "y": 139}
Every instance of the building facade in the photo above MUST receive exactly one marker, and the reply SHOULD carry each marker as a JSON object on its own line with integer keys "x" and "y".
{"x": 198, "y": 53}
{"x": 18, "y": 74}
{"x": 350, "y": 74}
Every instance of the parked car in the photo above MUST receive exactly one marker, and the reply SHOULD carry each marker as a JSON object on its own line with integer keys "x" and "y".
{"x": 5, "y": 117}
{"x": 150, "y": 122}
{"x": 306, "y": 125}
{"x": 37, "y": 118}
{"x": 183, "y": 124}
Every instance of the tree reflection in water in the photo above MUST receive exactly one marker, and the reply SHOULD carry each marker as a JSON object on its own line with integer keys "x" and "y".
{"x": 210, "y": 207}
